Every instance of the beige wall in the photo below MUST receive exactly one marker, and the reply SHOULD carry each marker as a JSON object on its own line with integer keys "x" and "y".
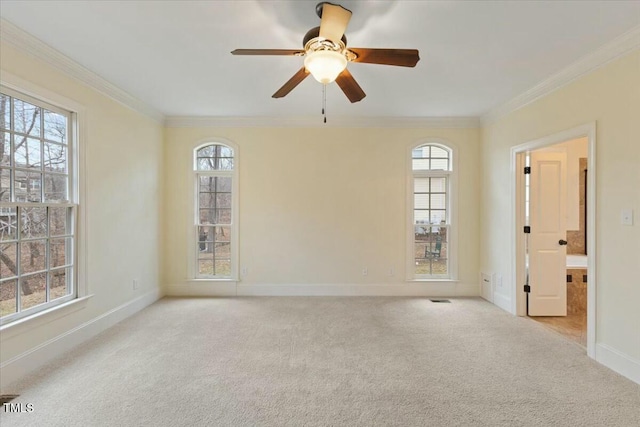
{"x": 611, "y": 97}
{"x": 317, "y": 205}
{"x": 123, "y": 155}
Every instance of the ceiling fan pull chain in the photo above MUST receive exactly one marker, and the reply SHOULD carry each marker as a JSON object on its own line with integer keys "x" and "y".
{"x": 324, "y": 102}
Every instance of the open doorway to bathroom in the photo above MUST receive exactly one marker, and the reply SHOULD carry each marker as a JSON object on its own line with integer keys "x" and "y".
{"x": 572, "y": 156}
{"x": 554, "y": 267}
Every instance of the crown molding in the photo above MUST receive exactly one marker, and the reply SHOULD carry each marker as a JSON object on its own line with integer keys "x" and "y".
{"x": 316, "y": 121}
{"x": 618, "y": 47}
{"x": 33, "y": 46}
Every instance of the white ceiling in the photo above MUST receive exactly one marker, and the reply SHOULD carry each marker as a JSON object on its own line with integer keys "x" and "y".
{"x": 175, "y": 55}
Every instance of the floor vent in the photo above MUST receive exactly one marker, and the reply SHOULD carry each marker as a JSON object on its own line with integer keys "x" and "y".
{"x": 6, "y": 398}
{"x": 441, "y": 300}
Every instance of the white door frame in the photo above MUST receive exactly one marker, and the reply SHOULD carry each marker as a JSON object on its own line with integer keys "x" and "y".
{"x": 518, "y": 304}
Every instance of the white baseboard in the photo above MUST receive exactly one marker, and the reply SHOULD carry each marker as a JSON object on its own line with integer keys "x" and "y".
{"x": 19, "y": 366}
{"x": 619, "y": 362}
{"x": 431, "y": 289}
{"x": 502, "y": 301}
{"x": 202, "y": 289}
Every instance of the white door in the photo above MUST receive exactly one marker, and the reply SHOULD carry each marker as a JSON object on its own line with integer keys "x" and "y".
{"x": 547, "y": 241}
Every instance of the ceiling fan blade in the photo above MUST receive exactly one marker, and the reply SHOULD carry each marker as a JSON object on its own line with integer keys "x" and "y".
{"x": 292, "y": 83}
{"x": 334, "y": 21}
{"x": 285, "y": 52}
{"x": 350, "y": 87}
{"x": 401, "y": 57}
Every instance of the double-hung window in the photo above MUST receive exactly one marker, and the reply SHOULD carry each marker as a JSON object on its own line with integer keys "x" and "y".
{"x": 431, "y": 173}
{"x": 37, "y": 206}
{"x": 215, "y": 226}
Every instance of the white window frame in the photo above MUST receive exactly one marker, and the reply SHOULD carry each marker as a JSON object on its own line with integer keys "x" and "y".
{"x": 193, "y": 227}
{"x": 451, "y": 207}
{"x": 21, "y": 89}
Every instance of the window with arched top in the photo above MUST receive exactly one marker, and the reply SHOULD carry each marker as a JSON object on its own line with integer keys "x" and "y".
{"x": 430, "y": 205}
{"x": 215, "y": 225}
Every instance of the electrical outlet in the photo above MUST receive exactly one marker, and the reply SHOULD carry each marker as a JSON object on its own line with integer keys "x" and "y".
{"x": 392, "y": 272}
{"x": 244, "y": 271}
{"x": 136, "y": 284}
{"x": 626, "y": 217}
{"x": 365, "y": 271}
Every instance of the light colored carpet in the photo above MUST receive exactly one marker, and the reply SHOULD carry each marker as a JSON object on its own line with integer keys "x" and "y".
{"x": 326, "y": 361}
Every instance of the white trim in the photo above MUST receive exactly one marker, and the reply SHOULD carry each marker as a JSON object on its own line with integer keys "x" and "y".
{"x": 431, "y": 289}
{"x": 192, "y": 256}
{"x": 616, "y": 48}
{"x": 79, "y": 143}
{"x": 503, "y": 301}
{"x": 452, "y": 207}
{"x": 316, "y": 121}
{"x": 617, "y": 361}
{"x": 21, "y": 365}
{"x": 33, "y": 46}
{"x": 517, "y": 305}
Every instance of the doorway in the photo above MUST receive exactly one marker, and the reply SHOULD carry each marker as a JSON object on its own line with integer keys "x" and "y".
{"x": 554, "y": 287}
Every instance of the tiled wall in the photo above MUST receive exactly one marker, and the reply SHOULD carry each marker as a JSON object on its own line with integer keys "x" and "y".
{"x": 577, "y": 291}
{"x": 576, "y": 238}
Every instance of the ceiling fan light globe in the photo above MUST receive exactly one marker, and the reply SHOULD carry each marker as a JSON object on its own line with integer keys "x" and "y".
{"x": 325, "y": 65}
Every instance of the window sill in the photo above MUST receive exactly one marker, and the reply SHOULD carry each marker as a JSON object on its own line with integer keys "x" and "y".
{"x": 434, "y": 280}
{"x": 201, "y": 281}
{"x": 22, "y": 326}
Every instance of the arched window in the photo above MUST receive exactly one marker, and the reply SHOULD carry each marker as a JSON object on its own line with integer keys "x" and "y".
{"x": 431, "y": 170}
{"x": 215, "y": 227}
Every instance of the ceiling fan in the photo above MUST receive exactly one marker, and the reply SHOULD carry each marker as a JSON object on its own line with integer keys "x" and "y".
{"x": 326, "y": 54}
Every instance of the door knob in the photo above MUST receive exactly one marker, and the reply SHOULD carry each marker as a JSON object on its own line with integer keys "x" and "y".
{"x": 562, "y": 242}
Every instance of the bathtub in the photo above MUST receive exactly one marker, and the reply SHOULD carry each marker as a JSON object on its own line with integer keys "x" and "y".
{"x": 576, "y": 261}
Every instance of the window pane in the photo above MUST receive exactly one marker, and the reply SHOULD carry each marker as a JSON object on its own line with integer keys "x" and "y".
{"x": 8, "y": 224}
{"x": 59, "y": 283}
{"x": 33, "y": 256}
{"x": 8, "y": 259}
{"x": 421, "y": 201}
{"x": 223, "y": 216}
{"x": 439, "y": 152}
{"x": 214, "y": 157}
{"x": 33, "y": 222}
{"x": 33, "y": 290}
{"x": 223, "y": 184}
{"x": 223, "y": 267}
{"x": 60, "y": 251}
{"x": 421, "y": 185}
{"x": 59, "y": 221}
{"x": 27, "y": 186}
{"x": 55, "y": 126}
{"x": 5, "y": 149}
{"x": 420, "y": 164}
{"x": 223, "y": 200}
{"x": 26, "y": 117}
{"x": 421, "y": 216}
{"x": 207, "y": 184}
{"x": 8, "y": 301}
{"x": 438, "y": 185}
{"x": 223, "y": 234}
{"x": 205, "y": 267}
{"x": 438, "y": 201}
{"x": 5, "y": 112}
{"x": 437, "y": 217}
{"x": 439, "y": 164}
{"x": 5, "y": 183}
{"x": 55, "y": 188}
{"x": 27, "y": 152}
{"x": 55, "y": 157}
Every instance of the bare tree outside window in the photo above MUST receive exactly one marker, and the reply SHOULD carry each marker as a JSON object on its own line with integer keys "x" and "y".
{"x": 214, "y": 164}
{"x": 36, "y": 214}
